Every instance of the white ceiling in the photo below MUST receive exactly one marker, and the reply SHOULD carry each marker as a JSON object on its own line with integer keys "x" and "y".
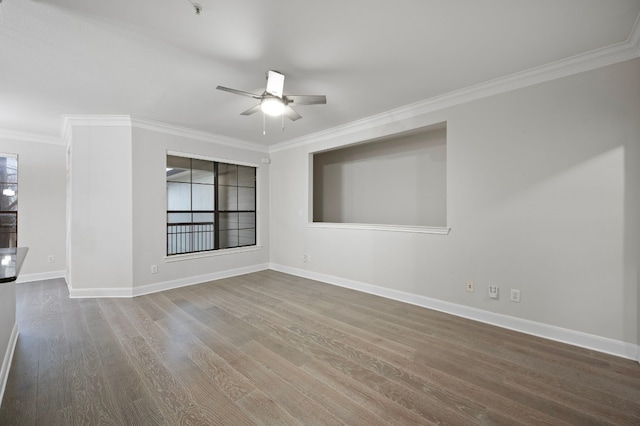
{"x": 158, "y": 60}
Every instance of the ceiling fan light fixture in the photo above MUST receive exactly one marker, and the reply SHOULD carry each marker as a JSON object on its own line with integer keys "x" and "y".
{"x": 272, "y": 106}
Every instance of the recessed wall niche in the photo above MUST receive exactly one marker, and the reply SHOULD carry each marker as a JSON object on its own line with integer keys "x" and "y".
{"x": 399, "y": 180}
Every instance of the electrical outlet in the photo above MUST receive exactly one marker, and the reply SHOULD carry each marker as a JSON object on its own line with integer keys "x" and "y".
{"x": 493, "y": 291}
{"x": 154, "y": 269}
{"x": 51, "y": 259}
{"x": 515, "y": 295}
{"x": 469, "y": 286}
{"x": 305, "y": 258}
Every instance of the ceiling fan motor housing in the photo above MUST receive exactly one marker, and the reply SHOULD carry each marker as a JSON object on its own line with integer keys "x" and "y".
{"x": 273, "y": 101}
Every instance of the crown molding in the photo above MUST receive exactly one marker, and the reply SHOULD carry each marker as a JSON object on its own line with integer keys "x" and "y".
{"x": 196, "y": 134}
{"x": 86, "y": 120}
{"x": 30, "y": 137}
{"x": 619, "y": 52}
{"x": 598, "y": 58}
{"x": 155, "y": 126}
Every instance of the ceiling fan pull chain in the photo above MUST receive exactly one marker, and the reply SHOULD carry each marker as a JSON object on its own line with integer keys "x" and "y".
{"x": 264, "y": 130}
{"x": 282, "y": 117}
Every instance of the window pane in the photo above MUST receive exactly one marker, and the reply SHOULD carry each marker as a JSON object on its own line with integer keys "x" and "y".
{"x": 228, "y": 221}
{"x": 178, "y": 196}
{"x": 178, "y": 169}
{"x": 228, "y": 239}
{"x": 8, "y": 230}
{"x": 8, "y": 239}
{"x": 9, "y": 169}
{"x": 178, "y": 239}
{"x": 8, "y": 222}
{"x": 179, "y": 218}
{"x": 203, "y": 217}
{"x": 227, "y": 174}
{"x": 246, "y": 198}
{"x": 246, "y": 237}
{"x": 246, "y": 220}
{"x": 246, "y": 176}
{"x": 202, "y": 237}
{"x": 202, "y": 197}
{"x": 202, "y": 171}
{"x": 8, "y": 197}
{"x": 228, "y": 199}
{"x": 9, "y": 201}
{"x": 195, "y": 188}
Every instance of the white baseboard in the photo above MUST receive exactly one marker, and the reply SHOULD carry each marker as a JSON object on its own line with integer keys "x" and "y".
{"x": 27, "y": 278}
{"x": 183, "y": 282}
{"x": 564, "y": 335}
{"x": 90, "y": 293}
{"x": 79, "y": 293}
{"x": 559, "y": 334}
{"x": 8, "y": 358}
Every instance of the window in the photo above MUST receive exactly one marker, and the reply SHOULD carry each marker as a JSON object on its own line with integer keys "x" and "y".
{"x": 8, "y": 200}
{"x": 211, "y": 205}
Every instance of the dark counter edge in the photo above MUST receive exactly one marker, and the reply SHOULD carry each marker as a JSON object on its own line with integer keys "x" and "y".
{"x": 21, "y": 254}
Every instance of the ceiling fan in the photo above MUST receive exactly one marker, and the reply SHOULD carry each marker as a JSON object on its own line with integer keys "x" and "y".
{"x": 273, "y": 101}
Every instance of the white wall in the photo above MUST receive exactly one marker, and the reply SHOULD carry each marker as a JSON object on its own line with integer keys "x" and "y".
{"x": 542, "y": 196}
{"x": 100, "y": 208}
{"x": 118, "y": 208}
{"x": 41, "y": 205}
{"x": 149, "y": 206}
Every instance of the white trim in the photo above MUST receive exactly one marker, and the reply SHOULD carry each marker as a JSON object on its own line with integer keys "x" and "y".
{"x": 211, "y": 253}
{"x": 91, "y": 293}
{"x": 83, "y": 293}
{"x": 156, "y": 126}
{"x": 30, "y": 137}
{"x": 87, "y": 120}
{"x": 559, "y": 334}
{"x": 375, "y": 227}
{"x": 169, "y": 129}
{"x": 209, "y": 158}
{"x": 97, "y": 120}
{"x": 615, "y": 53}
{"x": 27, "y": 278}
{"x": 200, "y": 279}
{"x": 8, "y": 357}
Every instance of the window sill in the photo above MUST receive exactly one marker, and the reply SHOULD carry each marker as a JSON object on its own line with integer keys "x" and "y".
{"x": 213, "y": 253}
{"x": 373, "y": 227}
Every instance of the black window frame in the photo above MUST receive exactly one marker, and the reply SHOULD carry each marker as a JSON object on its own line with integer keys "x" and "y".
{"x": 198, "y": 236}
{"x": 8, "y": 234}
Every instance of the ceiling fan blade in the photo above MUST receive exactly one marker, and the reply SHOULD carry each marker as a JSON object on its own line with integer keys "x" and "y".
{"x": 275, "y": 83}
{"x": 251, "y": 110}
{"x": 291, "y": 113}
{"x": 238, "y": 92}
{"x": 307, "y": 99}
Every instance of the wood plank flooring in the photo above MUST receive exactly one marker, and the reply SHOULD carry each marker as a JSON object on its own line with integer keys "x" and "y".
{"x": 273, "y": 349}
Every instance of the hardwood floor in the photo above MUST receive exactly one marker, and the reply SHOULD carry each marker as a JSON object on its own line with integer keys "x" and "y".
{"x": 274, "y": 349}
